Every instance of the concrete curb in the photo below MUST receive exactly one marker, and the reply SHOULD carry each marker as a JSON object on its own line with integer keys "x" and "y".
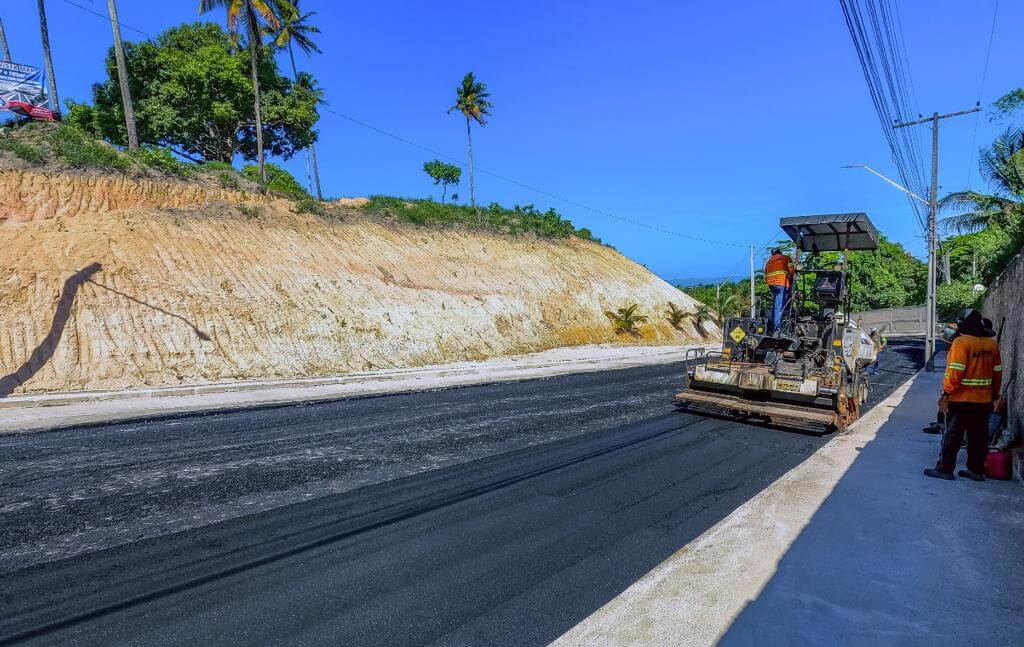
{"x": 693, "y": 596}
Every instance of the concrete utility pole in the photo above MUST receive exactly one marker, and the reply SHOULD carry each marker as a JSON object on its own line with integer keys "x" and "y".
{"x": 753, "y": 308}
{"x": 3, "y": 43}
{"x": 933, "y": 208}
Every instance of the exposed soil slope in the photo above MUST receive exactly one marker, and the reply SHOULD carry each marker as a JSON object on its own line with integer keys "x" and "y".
{"x": 113, "y": 281}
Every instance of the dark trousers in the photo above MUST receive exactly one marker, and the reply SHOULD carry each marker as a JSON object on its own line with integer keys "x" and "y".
{"x": 970, "y": 419}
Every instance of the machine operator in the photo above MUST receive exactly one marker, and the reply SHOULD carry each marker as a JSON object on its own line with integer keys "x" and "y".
{"x": 778, "y": 273}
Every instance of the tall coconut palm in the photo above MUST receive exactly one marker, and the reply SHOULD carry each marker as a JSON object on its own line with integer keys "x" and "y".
{"x": 296, "y": 29}
{"x": 249, "y": 16}
{"x": 48, "y": 58}
{"x": 1002, "y": 165}
{"x": 122, "y": 78}
{"x": 3, "y": 43}
{"x": 471, "y": 101}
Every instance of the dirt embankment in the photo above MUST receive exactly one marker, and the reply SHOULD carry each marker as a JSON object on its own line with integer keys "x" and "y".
{"x": 114, "y": 282}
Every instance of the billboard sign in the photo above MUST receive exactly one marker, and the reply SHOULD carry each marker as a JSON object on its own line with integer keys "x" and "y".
{"x": 23, "y": 90}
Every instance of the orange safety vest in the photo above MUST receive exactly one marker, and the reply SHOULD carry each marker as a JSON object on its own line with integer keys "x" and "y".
{"x": 778, "y": 270}
{"x": 974, "y": 371}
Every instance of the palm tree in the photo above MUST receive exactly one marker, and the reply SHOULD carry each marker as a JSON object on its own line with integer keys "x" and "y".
{"x": 122, "y": 78}
{"x": 674, "y": 315}
{"x": 48, "y": 58}
{"x": 471, "y": 101}
{"x": 1002, "y": 165}
{"x": 250, "y": 13}
{"x": 700, "y": 315}
{"x": 625, "y": 320}
{"x": 296, "y": 28}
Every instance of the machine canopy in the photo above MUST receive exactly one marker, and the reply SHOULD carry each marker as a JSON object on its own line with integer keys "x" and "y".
{"x": 832, "y": 232}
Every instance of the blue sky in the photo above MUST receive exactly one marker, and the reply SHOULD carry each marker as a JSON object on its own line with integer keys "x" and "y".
{"x": 709, "y": 118}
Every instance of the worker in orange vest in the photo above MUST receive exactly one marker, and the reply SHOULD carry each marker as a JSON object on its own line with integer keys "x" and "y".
{"x": 778, "y": 273}
{"x": 973, "y": 380}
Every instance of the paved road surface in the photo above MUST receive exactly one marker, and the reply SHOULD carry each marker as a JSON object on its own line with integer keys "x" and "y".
{"x": 498, "y": 514}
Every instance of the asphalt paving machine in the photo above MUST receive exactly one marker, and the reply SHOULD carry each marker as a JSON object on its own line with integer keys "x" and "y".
{"x": 809, "y": 373}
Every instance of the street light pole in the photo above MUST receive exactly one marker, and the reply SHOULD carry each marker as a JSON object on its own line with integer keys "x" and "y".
{"x": 933, "y": 208}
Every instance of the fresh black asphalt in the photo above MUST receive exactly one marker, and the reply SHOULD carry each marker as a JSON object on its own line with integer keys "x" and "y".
{"x": 496, "y": 514}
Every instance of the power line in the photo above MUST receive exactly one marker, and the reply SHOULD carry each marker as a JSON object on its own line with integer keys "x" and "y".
{"x": 503, "y": 178}
{"x": 981, "y": 90}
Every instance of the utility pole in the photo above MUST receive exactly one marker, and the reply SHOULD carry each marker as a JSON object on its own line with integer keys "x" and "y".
{"x": 122, "y": 78}
{"x": 933, "y": 208}
{"x": 3, "y": 43}
{"x": 753, "y": 309}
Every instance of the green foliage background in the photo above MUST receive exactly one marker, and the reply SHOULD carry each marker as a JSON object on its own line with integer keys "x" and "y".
{"x": 192, "y": 90}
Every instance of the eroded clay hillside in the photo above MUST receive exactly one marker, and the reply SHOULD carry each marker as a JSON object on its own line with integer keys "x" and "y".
{"x": 113, "y": 281}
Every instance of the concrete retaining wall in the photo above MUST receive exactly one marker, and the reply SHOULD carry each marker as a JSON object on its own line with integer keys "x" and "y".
{"x": 1003, "y": 304}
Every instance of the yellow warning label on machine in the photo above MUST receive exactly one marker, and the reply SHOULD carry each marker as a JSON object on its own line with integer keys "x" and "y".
{"x": 737, "y": 334}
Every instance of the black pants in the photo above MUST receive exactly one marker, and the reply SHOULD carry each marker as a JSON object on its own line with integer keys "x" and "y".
{"x": 971, "y": 419}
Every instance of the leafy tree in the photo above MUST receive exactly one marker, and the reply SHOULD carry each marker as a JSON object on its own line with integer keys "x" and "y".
{"x": 248, "y": 16}
{"x": 951, "y": 298}
{"x": 471, "y": 99}
{"x": 625, "y": 320}
{"x": 884, "y": 278}
{"x": 278, "y": 179}
{"x": 295, "y": 28}
{"x": 979, "y": 256}
{"x": 1007, "y": 104}
{"x": 192, "y": 92}
{"x": 443, "y": 174}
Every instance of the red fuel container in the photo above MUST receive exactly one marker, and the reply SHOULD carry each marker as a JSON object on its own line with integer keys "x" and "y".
{"x": 998, "y": 464}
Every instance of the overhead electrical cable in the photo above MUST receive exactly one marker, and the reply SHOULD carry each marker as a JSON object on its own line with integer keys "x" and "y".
{"x": 460, "y": 162}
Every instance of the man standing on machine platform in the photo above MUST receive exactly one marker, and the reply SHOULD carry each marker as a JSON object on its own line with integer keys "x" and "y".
{"x": 778, "y": 273}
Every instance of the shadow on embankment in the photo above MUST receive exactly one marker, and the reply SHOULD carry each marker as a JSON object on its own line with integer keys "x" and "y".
{"x": 44, "y": 351}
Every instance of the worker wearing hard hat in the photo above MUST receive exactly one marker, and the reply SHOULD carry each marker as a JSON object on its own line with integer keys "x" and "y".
{"x": 972, "y": 382}
{"x": 778, "y": 274}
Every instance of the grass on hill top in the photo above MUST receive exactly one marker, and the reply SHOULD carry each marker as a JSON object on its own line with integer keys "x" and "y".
{"x": 494, "y": 217}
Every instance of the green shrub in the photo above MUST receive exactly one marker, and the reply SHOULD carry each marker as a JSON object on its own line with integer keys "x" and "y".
{"x": 216, "y": 165}
{"x": 250, "y": 211}
{"x": 951, "y": 298}
{"x": 625, "y": 320}
{"x": 278, "y": 179}
{"x": 161, "y": 159}
{"x": 675, "y": 315}
{"x": 494, "y": 217}
{"x": 81, "y": 150}
{"x": 26, "y": 152}
{"x": 309, "y": 205}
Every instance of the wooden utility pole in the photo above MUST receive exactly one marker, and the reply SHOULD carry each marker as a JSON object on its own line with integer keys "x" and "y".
{"x": 933, "y": 208}
{"x": 122, "y": 78}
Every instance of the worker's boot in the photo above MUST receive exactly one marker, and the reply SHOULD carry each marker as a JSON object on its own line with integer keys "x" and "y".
{"x": 934, "y": 473}
{"x": 968, "y": 474}
{"x": 933, "y": 428}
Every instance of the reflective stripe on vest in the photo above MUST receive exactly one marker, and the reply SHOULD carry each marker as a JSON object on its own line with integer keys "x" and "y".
{"x": 957, "y": 367}
{"x": 982, "y": 381}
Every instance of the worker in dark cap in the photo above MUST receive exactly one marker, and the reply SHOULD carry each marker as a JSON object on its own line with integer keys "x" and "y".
{"x": 972, "y": 382}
